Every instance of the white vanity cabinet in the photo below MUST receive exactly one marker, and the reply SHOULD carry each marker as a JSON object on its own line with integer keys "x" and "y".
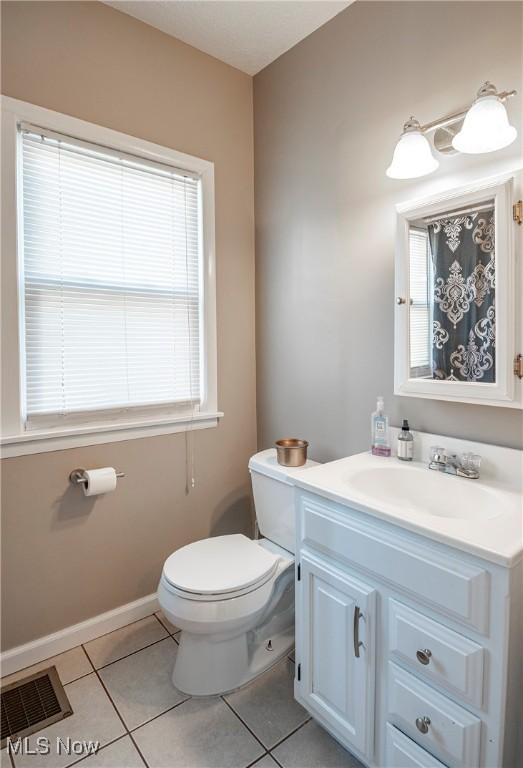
{"x": 338, "y": 667}
{"x": 404, "y": 645}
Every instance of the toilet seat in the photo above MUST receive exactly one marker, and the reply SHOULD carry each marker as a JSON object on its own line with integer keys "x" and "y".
{"x": 219, "y": 568}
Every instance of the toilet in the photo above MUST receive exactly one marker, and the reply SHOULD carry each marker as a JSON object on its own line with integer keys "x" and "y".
{"x": 233, "y": 597}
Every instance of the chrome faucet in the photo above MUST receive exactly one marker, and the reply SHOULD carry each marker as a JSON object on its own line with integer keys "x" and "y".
{"x": 467, "y": 465}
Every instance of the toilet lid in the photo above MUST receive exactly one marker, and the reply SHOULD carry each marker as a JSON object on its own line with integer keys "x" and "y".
{"x": 219, "y": 565}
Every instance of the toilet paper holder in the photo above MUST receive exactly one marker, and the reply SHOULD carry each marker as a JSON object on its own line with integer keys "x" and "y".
{"x": 77, "y": 476}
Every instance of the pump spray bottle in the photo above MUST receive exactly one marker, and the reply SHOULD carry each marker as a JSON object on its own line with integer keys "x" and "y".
{"x": 380, "y": 430}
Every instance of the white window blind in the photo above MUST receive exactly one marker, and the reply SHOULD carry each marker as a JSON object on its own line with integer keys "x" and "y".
{"x": 112, "y": 280}
{"x": 420, "y": 308}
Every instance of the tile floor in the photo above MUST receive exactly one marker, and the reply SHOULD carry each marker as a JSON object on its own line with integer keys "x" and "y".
{"x": 120, "y": 690}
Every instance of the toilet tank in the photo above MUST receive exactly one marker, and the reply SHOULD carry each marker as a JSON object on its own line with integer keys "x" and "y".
{"x": 273, "y": 492}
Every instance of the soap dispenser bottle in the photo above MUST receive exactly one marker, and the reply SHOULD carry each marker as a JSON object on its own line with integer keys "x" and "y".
{"x": 380, "y": 430}
{"x": 405, "y": 443}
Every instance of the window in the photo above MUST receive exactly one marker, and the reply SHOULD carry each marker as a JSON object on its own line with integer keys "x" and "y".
{"x": 420, "y": 306}
{"x": 115, "y": 289}
{"x": 111, "y": 274}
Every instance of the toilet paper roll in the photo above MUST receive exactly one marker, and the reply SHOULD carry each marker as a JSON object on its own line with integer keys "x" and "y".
{"x": 99, "y": 481}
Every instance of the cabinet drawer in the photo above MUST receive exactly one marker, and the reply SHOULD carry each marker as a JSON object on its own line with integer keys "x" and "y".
{"x": 402, "y": 752}
{"x": 452, "y": 734}
{"x": 436, "y": 652}
{"x": 454, "y": 587}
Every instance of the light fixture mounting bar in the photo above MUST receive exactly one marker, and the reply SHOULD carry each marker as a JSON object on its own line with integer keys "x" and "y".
{"x": 442, "y": 122}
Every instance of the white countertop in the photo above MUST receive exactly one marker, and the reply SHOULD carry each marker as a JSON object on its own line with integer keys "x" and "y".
{"x": 483, "y": 517}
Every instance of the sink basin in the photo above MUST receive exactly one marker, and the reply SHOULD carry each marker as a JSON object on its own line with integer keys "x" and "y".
{"x": 483, "y": 517}
{"x": 427, "y": 492}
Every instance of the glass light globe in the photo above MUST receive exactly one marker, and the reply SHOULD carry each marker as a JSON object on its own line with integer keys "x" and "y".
{"x": 486, "y": 126}
{"x": 412, "y": 156}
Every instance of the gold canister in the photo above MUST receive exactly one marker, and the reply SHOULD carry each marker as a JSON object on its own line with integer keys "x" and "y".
{"x": 291, "y": 452}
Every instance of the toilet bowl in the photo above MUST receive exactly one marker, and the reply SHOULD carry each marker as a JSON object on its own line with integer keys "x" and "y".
{"x": 233, "y": 597}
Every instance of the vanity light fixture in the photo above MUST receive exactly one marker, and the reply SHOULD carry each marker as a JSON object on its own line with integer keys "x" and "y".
{"x": 483, "y": 127}
{"x": 486, "y": 126}
{"x": 413, "y": 156}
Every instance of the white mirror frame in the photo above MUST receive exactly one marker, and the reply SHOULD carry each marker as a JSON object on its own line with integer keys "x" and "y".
{"x": 508, "y": 389}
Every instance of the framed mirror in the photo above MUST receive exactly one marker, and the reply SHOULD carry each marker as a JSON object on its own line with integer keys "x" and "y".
{"x": 457, "y": 322}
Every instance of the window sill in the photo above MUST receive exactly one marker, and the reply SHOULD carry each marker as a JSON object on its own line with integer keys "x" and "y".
{"x": 43, "y": 441}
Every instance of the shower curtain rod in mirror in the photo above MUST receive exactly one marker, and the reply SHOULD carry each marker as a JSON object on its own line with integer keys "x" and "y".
{"x": 459, "y": 212}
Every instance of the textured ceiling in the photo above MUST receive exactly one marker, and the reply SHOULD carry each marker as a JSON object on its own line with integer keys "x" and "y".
{"x": 247, "y": 34}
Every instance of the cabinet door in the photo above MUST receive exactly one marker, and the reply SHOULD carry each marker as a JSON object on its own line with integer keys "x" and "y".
{"x": 336, "y": 628}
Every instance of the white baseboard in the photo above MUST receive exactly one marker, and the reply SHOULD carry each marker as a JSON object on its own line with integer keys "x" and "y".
{"x": 37, "y": 650}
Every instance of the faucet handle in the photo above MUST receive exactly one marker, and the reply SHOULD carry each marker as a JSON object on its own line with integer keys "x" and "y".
{"x": 438, "y": 455}
{"x": 471, "y": 462}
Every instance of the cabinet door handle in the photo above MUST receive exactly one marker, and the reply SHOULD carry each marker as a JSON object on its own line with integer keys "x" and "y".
{"x": 356, "y": 633}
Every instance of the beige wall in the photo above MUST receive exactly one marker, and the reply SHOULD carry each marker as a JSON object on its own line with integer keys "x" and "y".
{"x": 66, "y": 558}
{"x": 327, "y": 115}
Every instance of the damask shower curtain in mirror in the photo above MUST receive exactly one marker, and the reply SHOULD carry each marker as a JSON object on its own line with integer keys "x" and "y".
{"x": 463, "y": 262}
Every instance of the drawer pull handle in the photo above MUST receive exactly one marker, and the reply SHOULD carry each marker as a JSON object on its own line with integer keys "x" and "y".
{"x": 424, "y": 656}
{"x": 422, "y": 724}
